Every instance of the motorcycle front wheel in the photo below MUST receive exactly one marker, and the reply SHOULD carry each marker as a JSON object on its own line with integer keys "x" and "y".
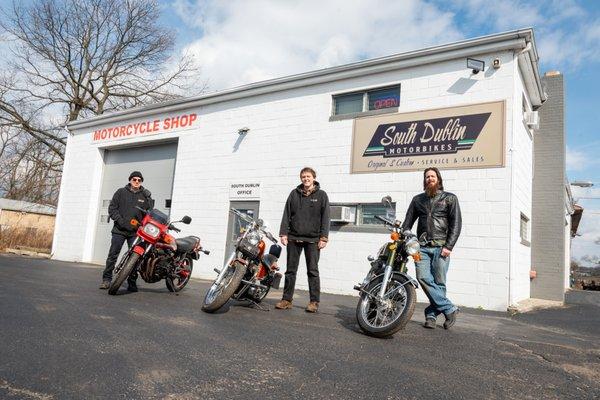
{"x": 126, "y": 265}
{"x": 384, "y": 317}
{"x": 181, "y": 275}
{"x": 222, "y": 289}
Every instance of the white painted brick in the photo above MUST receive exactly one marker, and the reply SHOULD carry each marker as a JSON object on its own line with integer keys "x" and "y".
{"x": 290, "y": 130}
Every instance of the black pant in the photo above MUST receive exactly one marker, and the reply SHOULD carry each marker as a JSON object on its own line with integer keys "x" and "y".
{"x": 311, "y": 254}
{"x": 116, "y": 244}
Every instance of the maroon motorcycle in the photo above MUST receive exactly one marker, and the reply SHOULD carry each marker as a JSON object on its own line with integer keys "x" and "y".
{"x": 157, "y": 255}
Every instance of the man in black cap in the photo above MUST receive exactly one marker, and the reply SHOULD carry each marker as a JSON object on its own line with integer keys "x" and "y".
{"x": 122, "y": 210}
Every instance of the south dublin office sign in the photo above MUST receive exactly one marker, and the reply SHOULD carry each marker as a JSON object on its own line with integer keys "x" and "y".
{"x": 449, "y": 138}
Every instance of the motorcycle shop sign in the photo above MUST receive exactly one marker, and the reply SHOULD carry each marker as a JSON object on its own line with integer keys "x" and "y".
{"x": 144, "y": 128}
{"x": 243, "y": 191}
{"x": 451, "y": 138}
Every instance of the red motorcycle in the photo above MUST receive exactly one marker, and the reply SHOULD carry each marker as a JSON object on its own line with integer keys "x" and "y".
{"x": 157, "y": 255}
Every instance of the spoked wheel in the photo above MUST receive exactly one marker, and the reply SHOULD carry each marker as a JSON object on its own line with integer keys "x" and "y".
{"x": 181, "y": 276}
{"x": 122, "y": 271}
{"x": 386, "y": 316}
{"x": 222, "y": 289}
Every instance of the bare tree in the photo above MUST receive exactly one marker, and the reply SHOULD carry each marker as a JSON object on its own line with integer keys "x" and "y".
{"x": 78, "y": 58}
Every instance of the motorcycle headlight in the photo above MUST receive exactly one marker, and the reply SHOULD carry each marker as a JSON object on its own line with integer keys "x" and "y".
{"x": 412, "y": 246}
{"x": 253, "y": 238}
{"x": 151, "y": 230}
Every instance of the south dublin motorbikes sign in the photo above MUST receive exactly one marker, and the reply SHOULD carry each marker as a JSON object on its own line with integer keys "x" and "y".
{"x": 450, "y": 138}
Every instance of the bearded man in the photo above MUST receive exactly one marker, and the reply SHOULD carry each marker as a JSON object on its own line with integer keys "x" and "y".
{"x": 439, "y": 226}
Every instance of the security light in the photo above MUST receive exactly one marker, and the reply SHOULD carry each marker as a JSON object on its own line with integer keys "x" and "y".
{"x": 475, "y": 65}
{"x": 243, "y": 131}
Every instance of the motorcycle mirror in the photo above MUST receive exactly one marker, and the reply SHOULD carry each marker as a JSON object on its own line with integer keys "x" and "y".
{"x": 186, "y": 220}
{"x": 387, "y": 201}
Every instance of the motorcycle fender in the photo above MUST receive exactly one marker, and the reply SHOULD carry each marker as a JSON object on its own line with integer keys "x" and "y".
{"x": 139, "y": 250}
{"x": 410, "y": 279}
{"x": 241, "y": 261}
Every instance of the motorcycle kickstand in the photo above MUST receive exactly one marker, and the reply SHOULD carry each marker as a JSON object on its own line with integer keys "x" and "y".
{"x": 257, "y": 306}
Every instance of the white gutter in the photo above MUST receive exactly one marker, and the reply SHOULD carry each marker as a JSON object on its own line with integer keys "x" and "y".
{"x": 514, "y": 40}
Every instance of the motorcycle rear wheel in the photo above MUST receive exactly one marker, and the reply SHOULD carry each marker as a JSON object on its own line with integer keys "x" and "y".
{"x": 130, "y": 259}
{"x": 177, "y": 284}
{"x": 220, "y": 292}
{"x": 380, "y": 321}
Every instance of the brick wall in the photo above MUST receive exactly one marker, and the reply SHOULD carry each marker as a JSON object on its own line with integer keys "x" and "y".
{"x": 548, "y": 222}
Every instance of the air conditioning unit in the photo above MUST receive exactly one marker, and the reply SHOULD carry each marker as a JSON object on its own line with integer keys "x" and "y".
{"x": 342, "y": 214}
{"x": 532, "y": 119}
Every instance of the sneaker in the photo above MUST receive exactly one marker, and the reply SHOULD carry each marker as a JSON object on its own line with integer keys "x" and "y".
{"x": 451, "y": 319}
{"x": 312, "y": 307}
{"x": 132, "y": 287}
{"x": 283, "y": 305}
{"x": 105, "y": 285}
{"x": 429, "y": 323}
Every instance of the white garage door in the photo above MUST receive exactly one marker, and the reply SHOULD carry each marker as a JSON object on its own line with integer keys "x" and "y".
{"x": 157, "y": 165}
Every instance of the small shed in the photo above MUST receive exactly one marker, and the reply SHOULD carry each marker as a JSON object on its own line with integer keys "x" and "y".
{"x": 31, "y": 217}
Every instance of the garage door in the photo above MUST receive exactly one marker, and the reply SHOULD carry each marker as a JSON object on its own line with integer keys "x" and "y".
{"x": 157, "y": 165}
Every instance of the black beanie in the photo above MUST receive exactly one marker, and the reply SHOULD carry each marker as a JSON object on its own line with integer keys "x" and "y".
{"x": 136, "y": 174}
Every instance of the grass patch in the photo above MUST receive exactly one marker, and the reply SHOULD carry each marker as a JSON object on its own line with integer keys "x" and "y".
{"x": 30, "y": 238}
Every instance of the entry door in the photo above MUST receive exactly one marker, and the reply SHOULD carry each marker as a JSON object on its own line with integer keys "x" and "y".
{"x": 236, "y": 226}
{"x": 157, "y": 165}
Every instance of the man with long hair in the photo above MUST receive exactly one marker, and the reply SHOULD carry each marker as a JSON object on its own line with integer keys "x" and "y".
{"x": 438, "y": 213}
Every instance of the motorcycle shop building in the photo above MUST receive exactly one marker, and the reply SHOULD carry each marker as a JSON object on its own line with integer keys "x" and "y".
{"x": 368, "y": 129}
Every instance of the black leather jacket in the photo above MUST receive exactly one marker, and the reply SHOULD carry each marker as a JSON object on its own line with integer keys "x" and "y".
{"x": 439, "y": 217}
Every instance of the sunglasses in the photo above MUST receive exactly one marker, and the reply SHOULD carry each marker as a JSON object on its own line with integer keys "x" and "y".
{"x": 136, "y": 179}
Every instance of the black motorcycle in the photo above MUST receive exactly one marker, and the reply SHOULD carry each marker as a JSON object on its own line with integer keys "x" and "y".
{"x": 388, "y": 293}
{"x": 249, "y": 272}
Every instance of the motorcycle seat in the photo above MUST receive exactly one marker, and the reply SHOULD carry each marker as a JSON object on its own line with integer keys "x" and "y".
{"x": 186, "y": 244}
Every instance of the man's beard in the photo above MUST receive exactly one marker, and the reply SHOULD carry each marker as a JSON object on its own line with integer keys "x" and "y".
{"x": 431, "y": 189}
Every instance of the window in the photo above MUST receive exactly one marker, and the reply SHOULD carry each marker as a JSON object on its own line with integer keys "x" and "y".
{"x": 350, "y": 104}
{"x": 524, "y": 230}
{"x": 384, "y": 98}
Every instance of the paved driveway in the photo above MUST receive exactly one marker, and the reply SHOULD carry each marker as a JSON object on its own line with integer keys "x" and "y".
{"x": 62, "y": 338}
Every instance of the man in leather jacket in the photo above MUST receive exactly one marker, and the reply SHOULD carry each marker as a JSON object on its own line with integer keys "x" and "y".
{"x": 122, "y": 210}
{"x": 438, "y": 213}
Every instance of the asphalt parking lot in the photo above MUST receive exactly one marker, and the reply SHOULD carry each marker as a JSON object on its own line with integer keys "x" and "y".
{"x": 62, "y": 338}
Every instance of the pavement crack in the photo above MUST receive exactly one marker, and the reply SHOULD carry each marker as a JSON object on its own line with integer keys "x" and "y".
{"x": 528, "y": 351}
{"x": 23, "y": 393}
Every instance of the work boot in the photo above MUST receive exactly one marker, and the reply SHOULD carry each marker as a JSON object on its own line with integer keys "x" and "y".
{"x": 429, "y": 323}
{"x": 312, "y": 307}
{"x": 105, "y": 285}
{"x": 132, "y": 287}
{"x": 451, "y": 319}
{"x": 283, "y": 305}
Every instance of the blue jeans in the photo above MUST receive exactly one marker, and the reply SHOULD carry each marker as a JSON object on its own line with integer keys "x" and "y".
{"x": 431, "y": 274}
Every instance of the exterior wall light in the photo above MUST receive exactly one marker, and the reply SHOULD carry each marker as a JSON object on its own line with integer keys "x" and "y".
{"x": 243, "y": 131}
{"x": 475, "y": 65}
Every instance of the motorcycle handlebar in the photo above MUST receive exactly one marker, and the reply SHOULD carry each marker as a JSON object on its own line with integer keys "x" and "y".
{"x": 171, "y": 227}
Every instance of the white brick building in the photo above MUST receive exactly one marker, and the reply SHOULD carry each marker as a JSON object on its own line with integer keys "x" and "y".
{"x": 308, "y": 120}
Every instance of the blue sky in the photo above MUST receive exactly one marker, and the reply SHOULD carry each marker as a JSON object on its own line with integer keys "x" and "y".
{"x": 242, "y": 41}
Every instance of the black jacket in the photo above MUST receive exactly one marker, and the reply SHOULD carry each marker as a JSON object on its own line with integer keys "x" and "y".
{"x": 306, "y": 218}
{"x": 122, "y": 208}
{"x": 439, "y": 217}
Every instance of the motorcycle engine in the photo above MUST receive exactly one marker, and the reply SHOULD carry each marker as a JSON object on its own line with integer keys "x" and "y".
{"x": 155, "y": 268}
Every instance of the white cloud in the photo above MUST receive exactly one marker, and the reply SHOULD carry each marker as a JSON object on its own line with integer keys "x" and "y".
{"x": 566, "y": 34}
{"x": 577, "y": 160}
{"x": 245, "y": 41}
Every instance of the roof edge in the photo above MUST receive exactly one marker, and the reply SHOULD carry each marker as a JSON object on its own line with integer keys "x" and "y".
{"x": 516, "y": 39}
